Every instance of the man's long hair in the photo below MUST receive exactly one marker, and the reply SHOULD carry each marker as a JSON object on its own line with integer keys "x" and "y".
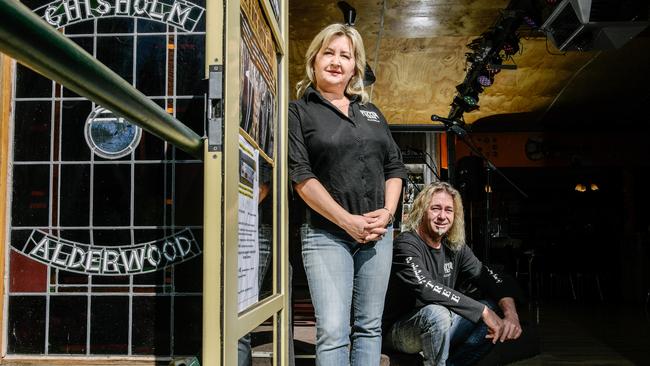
{"x": 323, "y": 38}
{"x": 417, "y": 215}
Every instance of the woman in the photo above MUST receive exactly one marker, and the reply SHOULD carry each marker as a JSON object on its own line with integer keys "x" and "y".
{"x": 348, "y": 171}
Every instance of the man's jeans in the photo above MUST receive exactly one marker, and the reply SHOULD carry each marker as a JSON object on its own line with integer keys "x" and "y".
{"x": 345, "y": 275}
{"x": 443, "y": 337}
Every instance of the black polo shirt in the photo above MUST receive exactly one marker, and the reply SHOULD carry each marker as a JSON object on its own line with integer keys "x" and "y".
{"x": 352, "y": 156}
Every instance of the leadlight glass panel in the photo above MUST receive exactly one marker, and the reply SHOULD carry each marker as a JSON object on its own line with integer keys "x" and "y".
{"x": 80, "y": 28}
{"x": 74, "y": 113}
{"x": 31, "y": 195}
{"x": 115, "y": 25}
{"x": 26, "y": 328}
{"x": 120, "y": 62}
{"x": 32, "y": 130}
{"x": 27, "y": 276}
{"x": 109, "y": 324}
{"x": 105, "y": 255}
{"x": 87, "y": 43}
{"x": 149, "y": 200}
{"x": 67, "y": 325}
{"x": 150, "y": 27}
{"x": 152, "y": 51}
{"x": 151, "y": 147}
{"x": 190, "y": 55}
{"x": 151, "y": 312}
{"x": 74, "y": 195}
{"x": 30, "y": 84}
{"x": 111, "y": 196}
{"x": 187, "y": 311}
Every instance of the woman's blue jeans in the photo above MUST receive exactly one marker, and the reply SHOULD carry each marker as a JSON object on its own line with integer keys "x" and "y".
{"x": 346, "y": 277}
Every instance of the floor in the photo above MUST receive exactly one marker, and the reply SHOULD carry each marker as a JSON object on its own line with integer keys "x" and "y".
{"x": 592, "y": 333}
{"x": 570, "y": 333}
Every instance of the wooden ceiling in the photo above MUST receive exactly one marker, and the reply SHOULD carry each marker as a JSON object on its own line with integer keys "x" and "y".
{"x": 417, "y": 51}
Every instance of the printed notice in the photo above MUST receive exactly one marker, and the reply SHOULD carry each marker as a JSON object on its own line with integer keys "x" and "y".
{"x": 248, "y": 261}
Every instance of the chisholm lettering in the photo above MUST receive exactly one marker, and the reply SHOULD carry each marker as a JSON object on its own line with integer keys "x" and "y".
{"x": 178, "y": 13}
{"x": 111, "y": 260}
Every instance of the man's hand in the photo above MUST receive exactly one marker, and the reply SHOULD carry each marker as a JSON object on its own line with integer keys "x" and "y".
{"x": 494, "y": 324}
{"x": 511, "y": 326}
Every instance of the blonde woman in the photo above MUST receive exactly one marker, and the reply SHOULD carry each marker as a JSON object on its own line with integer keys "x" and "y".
{"x": 348, "y": 172}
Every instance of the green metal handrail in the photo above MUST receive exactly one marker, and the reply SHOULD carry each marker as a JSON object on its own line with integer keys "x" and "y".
{"x": 34, "y": 43}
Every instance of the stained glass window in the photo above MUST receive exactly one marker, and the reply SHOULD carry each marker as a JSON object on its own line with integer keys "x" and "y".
{"x": 105, "y": 254}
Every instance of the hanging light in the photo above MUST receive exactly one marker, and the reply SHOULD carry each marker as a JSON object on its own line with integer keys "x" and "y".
{"x": 484, "y": 80}
{"x": 594, "y": 187}
{"x": 580, "y": 187}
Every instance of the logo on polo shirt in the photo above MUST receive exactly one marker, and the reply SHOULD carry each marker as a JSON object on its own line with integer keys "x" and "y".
{"x": 448, "y": 267}
{"x": 370, "y": 116}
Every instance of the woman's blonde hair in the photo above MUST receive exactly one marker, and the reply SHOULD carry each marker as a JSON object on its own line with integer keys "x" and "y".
{"x": 456, "y": 234}
{"x": 323, "y": 38}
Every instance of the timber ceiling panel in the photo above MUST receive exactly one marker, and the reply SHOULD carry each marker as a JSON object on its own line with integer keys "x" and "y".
{"x": 417, "y": 50}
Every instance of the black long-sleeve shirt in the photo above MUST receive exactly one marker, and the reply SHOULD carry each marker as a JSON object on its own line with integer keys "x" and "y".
{"x": 421, "y": 275}
{"x": 351, "y": 156}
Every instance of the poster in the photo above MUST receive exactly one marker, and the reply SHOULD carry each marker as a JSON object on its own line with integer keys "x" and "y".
{"x": 257, "y": 96}
{"x": 248, "y": 249}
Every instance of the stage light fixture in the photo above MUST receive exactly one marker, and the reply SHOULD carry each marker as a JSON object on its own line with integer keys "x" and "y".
{"x": 467, "y": 103}
{"x": 484, "y": 80}
{"x": 471, "y": 101}
{"x": 494, "y": 65}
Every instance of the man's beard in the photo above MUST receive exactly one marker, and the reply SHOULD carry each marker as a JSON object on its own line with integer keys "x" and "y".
{"x": 439, "y": 232}
{"x": 436, "y": 232}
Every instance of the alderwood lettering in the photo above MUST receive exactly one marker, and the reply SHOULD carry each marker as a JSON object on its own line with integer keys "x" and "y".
{"x": 111, "y": 260}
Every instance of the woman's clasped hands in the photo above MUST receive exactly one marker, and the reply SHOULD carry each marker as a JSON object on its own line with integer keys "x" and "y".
{"x": 368, "y": 227}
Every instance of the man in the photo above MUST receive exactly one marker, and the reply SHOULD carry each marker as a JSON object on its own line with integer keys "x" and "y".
{"x": 424, "y": 312}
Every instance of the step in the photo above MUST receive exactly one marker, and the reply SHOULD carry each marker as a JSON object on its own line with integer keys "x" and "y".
{"x": 304, "y": 346}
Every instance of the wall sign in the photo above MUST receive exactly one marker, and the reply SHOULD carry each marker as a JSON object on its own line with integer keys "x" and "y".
{"x": 110, "y": 260}
{"x": 181, "y": 14}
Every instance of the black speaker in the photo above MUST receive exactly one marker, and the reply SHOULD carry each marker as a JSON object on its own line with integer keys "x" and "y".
{"x": 585, "y": 25}
{"x": 470, "y": 177}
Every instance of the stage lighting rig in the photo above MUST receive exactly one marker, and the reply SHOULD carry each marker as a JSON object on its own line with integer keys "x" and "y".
{"x": 497, "y": 44}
